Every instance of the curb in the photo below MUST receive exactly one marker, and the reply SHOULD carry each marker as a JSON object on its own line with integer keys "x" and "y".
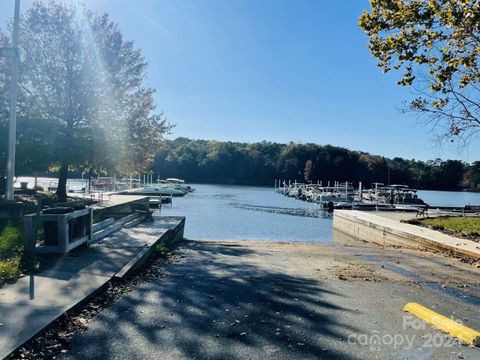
{"x": 449, "y": 326}
{"x": 373, "y": 228}
{"x": 169, "y": 239}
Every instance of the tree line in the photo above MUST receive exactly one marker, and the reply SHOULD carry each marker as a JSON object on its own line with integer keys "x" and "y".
{"x": 263, "y": 162}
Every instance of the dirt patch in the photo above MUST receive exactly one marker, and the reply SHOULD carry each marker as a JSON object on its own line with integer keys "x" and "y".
{"x": 448, "y": 254}
{"x": 362, "y": 272}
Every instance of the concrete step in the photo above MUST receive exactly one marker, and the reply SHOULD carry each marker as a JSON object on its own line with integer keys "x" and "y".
{"x": 127, "y": 221}
{"x": 127, "y": 218}
{"x": 102, "y": 224}
{"x": 135, "y": 221}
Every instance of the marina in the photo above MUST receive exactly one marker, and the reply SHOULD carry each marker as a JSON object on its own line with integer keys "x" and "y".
{"x": 343, "y": 195}
{"x": 102, "y": 188}
{"x": 227, "y": 212}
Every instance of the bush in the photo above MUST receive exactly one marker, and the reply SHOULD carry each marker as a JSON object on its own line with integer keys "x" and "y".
{"x": 9, "y": 270}
{"x": 412, "y": 222}
{"x": 11, "y": 250}
{"x": 161, "y": 250}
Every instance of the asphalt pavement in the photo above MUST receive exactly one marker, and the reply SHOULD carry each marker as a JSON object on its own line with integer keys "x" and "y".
{"x": 257, "y": 300}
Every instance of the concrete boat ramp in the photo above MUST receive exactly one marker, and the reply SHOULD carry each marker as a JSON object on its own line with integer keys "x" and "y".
{"x": 388, "y": 231}
{"x": 35, "y": 301}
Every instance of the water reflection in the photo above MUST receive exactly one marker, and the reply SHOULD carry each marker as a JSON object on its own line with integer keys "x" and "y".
{"x": 318, "y": 212}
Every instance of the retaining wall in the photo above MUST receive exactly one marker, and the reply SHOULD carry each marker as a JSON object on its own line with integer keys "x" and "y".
{"x": 388, "y": 232}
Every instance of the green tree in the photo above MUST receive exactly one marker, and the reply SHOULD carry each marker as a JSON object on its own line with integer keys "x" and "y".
{"x": 34, "y": 134}
{"x": 436, "y": 44}
{"x": 83, "y": 82}
{"x": 308, "y": 171}
{"x": 450, "y": 174}
{"x": 471, "y": 178}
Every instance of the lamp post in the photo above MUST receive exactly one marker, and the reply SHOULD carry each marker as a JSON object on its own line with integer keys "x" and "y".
{"x": 12, "y": 130}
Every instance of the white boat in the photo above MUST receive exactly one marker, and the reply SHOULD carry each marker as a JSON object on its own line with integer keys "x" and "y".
{"x": 177, "y": 184}
{"x": 162, "y": 190}
{"x": 393, "y": 195}
{"x": 175, "y": 181}
{"x": 341, "y": 192}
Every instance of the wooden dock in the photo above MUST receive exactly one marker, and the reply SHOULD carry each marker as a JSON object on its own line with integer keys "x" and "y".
{"x": 115, "y": 200}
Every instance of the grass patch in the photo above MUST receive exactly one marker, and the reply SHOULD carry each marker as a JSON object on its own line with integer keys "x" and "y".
{"x": 161, "y": 250}
{"x": 468, "y": 227}
{"x": 11, "y": 249}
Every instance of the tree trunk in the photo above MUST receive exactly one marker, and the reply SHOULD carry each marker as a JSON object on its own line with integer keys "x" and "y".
{"x": 62, "y": 182}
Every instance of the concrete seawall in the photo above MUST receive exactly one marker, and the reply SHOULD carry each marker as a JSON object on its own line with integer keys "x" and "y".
{"x": 369, "y": 227}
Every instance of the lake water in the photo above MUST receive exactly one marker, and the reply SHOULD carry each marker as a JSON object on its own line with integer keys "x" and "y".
{"x": 221, "y": 212}
{"x": 450, "y": 198}
{"x": 73, "y": 184}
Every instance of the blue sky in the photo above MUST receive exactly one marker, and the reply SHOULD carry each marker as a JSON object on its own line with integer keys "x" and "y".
{"x": 276, "y": 70}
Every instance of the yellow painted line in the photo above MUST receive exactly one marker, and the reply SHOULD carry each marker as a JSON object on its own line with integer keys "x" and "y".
{"x": 460, "y": 331}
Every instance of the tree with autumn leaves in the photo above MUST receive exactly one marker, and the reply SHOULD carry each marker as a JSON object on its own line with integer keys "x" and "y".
{"x": 436, "y": 46}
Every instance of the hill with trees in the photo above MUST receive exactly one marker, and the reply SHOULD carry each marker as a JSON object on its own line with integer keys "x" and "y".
{"x": 261, "y": 163}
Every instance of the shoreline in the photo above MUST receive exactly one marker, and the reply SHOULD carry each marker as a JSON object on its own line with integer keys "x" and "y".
{"x": 266, "y": 186}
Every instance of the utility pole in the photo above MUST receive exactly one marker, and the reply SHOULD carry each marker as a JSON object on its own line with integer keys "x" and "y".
{"x": 12, "y": 130}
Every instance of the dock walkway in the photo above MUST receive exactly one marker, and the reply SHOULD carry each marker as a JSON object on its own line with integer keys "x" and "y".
{"x": 116, "y": 200}
{"x": 35, "y": 301}
{"x": 370, "y": 227}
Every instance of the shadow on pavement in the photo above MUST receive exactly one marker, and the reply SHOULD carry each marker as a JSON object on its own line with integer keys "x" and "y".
{"x": 212, "y": 304}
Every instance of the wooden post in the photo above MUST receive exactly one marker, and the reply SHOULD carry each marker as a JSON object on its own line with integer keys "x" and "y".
{"x": 29, "y": 240}
{"x": 63, "y": 233}
{"x": 90, "y": 232}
